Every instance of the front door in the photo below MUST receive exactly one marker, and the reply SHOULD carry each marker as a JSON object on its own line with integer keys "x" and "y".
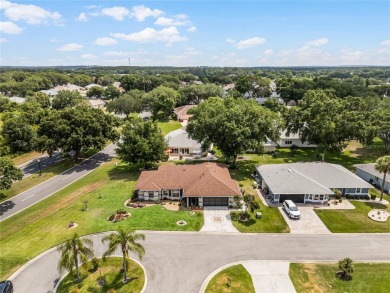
{"x": 194, "y": 201}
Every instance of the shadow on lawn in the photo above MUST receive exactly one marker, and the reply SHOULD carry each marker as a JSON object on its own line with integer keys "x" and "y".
{"x": 124, "y": 172}
{"x": 376, "y": 205}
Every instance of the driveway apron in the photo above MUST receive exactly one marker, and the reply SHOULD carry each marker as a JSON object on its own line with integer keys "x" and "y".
{"x": 217, "y": 219}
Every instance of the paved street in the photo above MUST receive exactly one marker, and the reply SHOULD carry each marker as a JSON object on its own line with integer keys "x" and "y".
{"x": 32, "y": 166}
{"x": 47, "y": 188}
{"x": 180, "y": 262}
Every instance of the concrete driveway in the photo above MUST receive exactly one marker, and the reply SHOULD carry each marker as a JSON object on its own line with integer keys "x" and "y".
{"x": 217, "y": 219}
{"x": 309, "y": 223}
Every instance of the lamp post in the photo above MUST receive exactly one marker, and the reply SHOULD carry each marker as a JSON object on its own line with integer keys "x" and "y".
{"x": 39, "y": 165}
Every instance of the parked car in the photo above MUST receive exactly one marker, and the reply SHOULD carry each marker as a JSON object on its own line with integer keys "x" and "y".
{"x": 291, "y": 209}
{"x": 6, "y": 287}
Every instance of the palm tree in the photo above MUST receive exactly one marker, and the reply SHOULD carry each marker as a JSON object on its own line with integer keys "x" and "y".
{"x": 126, "y": 240}
{"x": 382, "y": 165}
{"x": 73, "y": 249}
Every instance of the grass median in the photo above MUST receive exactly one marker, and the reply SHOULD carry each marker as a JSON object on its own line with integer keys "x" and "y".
{"x": 44, "y": 225}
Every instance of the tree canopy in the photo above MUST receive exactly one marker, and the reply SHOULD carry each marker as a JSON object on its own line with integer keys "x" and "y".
{"x": 233, "y": 125}
{"x": 8, "y": 173}
{"x": 66, "y": 99}
{"x": 130, "y": 102}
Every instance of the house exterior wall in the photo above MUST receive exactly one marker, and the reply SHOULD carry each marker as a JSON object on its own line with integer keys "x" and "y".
{"x": 284, "y": 142}
{"x": 376, "y": 181}
{"x": 160, "y": 194}
{"x": 190, "y": 152}
{"x": 353, "y": 191}
{"x": 269, "y": 149}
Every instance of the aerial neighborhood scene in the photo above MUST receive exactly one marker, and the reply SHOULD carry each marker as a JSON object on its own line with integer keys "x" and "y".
{"x": 194, "y": 146}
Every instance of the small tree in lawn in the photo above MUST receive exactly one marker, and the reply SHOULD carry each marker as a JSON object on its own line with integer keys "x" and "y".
{"x": 71, "y": 251}
{"x": 346, "y": 267}
{"x": 382, "y": 165}
{"x": 85, "y": 202}
{"x": 239, "y": 203}
{"x": 293, "y": 149}
{"x": 250, "y": 203}
{"x": 126, "y": 240}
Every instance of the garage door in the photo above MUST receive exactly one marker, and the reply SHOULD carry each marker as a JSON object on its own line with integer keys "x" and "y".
{"x": 297, "y": 198}
{"x": 215, "y": 201}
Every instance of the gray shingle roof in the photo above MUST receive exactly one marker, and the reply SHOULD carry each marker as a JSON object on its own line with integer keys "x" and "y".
{"x": 370, "y": 168}
{"x": 179, "y": 138}
{"x": 309, "y": 178}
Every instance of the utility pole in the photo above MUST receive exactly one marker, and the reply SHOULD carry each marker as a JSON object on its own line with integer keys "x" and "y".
{"x": 129, "y": 61}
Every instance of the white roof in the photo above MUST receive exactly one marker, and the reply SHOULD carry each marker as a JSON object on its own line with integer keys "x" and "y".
{"x": 179, "y": 138}
{"x": 92, "y": 85}
{"x": 308, "y": 178}
{"x": 284, "y": 135}
{"x": 96, "y": 102}
{"x": 18, "y": 100}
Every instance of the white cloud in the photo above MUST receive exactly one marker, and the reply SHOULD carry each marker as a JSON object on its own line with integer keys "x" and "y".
{"x": 384, "y": 51}
{"x": 248, "y": 43}
{"x": 350, "y": 57}
{"x": 88, "y": 56}
{"x": 268, "y": 52}
{"x": 141, "y": 12}
{"x": 105, "y": 41}
{"x": 128, "y": 54}
{"x": 2, "y": 40}
{"x": 82, "y": 17}
{"x": 165, "y": 21}
{"x": 385, "y": 43}
{"x": 70, "y": 47}
{"x": 317, "y": 42}
{"x": 11, "y": 28}
{"x": 31, "y": 14}
{"x": 55, "y": 41}
{"x": 167, "y": 35}
{"x": 192, "y": 29}
{"x": 117, "y": 12}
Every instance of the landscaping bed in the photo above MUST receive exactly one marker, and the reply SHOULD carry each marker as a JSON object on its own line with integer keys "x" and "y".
{"x": 110, "y": 272}
{"x": 234, "y": 279}
{"x": 367, "y": 277}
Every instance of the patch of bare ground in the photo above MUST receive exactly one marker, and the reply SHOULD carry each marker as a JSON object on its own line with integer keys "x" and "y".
{"x": 314, "y": 285}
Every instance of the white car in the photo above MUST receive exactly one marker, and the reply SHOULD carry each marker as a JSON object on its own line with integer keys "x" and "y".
{"x": 291, "y": 209}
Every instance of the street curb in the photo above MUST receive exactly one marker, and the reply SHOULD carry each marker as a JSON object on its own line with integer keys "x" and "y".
{"x": 57, "y": 189}
{"x": 140, "y": 264}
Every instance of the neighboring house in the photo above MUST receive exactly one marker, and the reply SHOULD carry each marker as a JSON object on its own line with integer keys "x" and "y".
{"x": 207, "y": 184}
{"x": 145, "y": 115}
{"x": 97, "y": 104}
{"x": 369, "y": 174}
{"x": 308, "y": 182}
{"x": 262, "y": 100}
{"x": 17, "y": 100}
{"x": 181, "y": 145}
{"x": 269, "y": 146}
{"x": 182, "y": 112}
{"x": 88, "y": 87}
{"x": 68, "y": 87}
{"x": 51, "y": 93}
{"x": 293, "y": 138}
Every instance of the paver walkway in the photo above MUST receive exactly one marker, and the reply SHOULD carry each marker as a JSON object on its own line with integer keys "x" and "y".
{"x": 217, "y": 219}
{"x": 309, "y": 223}
{"x": 270, "y": 276}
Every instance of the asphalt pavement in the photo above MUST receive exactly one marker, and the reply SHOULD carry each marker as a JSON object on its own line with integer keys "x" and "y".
{"x": 34, "y": 165}
{"x": 30, "y": 197}
{"x": 180, "y": 261}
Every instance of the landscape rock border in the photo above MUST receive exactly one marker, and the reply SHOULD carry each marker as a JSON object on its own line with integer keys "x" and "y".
{"x": 181, "y": 223}
{"x": 378, "y": 215}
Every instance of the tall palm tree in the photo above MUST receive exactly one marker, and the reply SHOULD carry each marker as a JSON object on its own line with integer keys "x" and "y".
{"x": 73, "y": 249}
{"x": 126, "y": 240}
{"x": 382, "y": 165}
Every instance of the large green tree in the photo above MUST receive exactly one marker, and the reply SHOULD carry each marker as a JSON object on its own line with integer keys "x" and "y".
{"x": 95, "y": 91}
{"x": 40, "y": 98}
{"x": 194, "y": 93}
{"x": 131, "y": 102}
{"x": 254, "y": 86}
{"x": 74, "y": 129}
{"x": 161, "y": 101}
{"x": 142, "y": 142}
{"x": 18, "y": 134}
{"x": 234, "y": 125}
{"x": 382, "y": 165}
{"x": 111, "y": 92}
{"x": 66, "y": 99}
{"x": 380, "y": 119}
{"x": 8, "y": 173}
{"x": 71, "y": 251}
{"x": 127, "y": 241}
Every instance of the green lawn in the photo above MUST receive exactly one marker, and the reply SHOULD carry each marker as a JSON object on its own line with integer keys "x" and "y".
{"x": 44, "y": 225}
{"x": 354, "y": 221}
{"x": 168, "y": 126}
{"x": 110, "y": 271}
{"x": 367, "y": 277}
{"x": 35, "y": 179}
{"x": 23, "y": 158}
{"x": 234, "y": 279}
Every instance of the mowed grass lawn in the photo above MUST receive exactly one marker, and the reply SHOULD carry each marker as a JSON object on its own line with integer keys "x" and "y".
{"x": 321, "y": 278}
{"x": 23, "y": 158}
{"x": 44, "y": 225}
{"x": 355, "y": 221}
{"x": 234, "y": 279}
{"x": 168, "y": 126}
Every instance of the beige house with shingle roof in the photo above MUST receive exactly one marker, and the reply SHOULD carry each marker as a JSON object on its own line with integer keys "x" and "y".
{"x": 207, "y": 184}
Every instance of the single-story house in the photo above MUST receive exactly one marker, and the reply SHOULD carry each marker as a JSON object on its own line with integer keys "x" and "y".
{"x": 180, "y": 144}
{"x": 207, "y": 184}
{"x": 269, "y": 146}
{"x": 293, "y": 138}
{"x": 182, "y": 112}
{"x": 308, "y": 182}
{"x": 97, "y": 104}
{"x": 369, "y": 174}
{"x": 145, "y": 115}
{"x": 18, "y": 100}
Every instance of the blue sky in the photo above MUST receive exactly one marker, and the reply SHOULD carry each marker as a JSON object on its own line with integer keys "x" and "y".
{"x": 195, "y": 33}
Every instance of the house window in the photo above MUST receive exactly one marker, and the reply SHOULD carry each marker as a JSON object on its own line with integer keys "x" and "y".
{"x": 288, "y": 142}
{"x": 358, "y": 190}
{"x": 174, "y": 151}
{"x": 175, "y": 193}
{"x": 165, "y": 192}
{"x": 151, "y": 194}
{"x": 184, "y": 151}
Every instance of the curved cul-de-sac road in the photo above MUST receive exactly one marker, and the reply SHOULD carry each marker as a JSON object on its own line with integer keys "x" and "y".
{"x": 180, "y": 261}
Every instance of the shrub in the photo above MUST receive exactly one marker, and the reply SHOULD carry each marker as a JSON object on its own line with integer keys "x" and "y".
{"x": 110, "y": 218}
{"x": 346, "y": 267}
{"x": 373, "y": 196}
{"x": 94, "y": 264}
{"x": 348, "y": 196}
{"x": 338, "y": 196}
{"x": 121, "y": 211}
{"x": 340, "y": 200}
{"x": 362, "y": 197}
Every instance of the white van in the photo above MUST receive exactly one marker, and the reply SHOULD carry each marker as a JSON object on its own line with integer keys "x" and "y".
{"x": 291, "y": 209}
